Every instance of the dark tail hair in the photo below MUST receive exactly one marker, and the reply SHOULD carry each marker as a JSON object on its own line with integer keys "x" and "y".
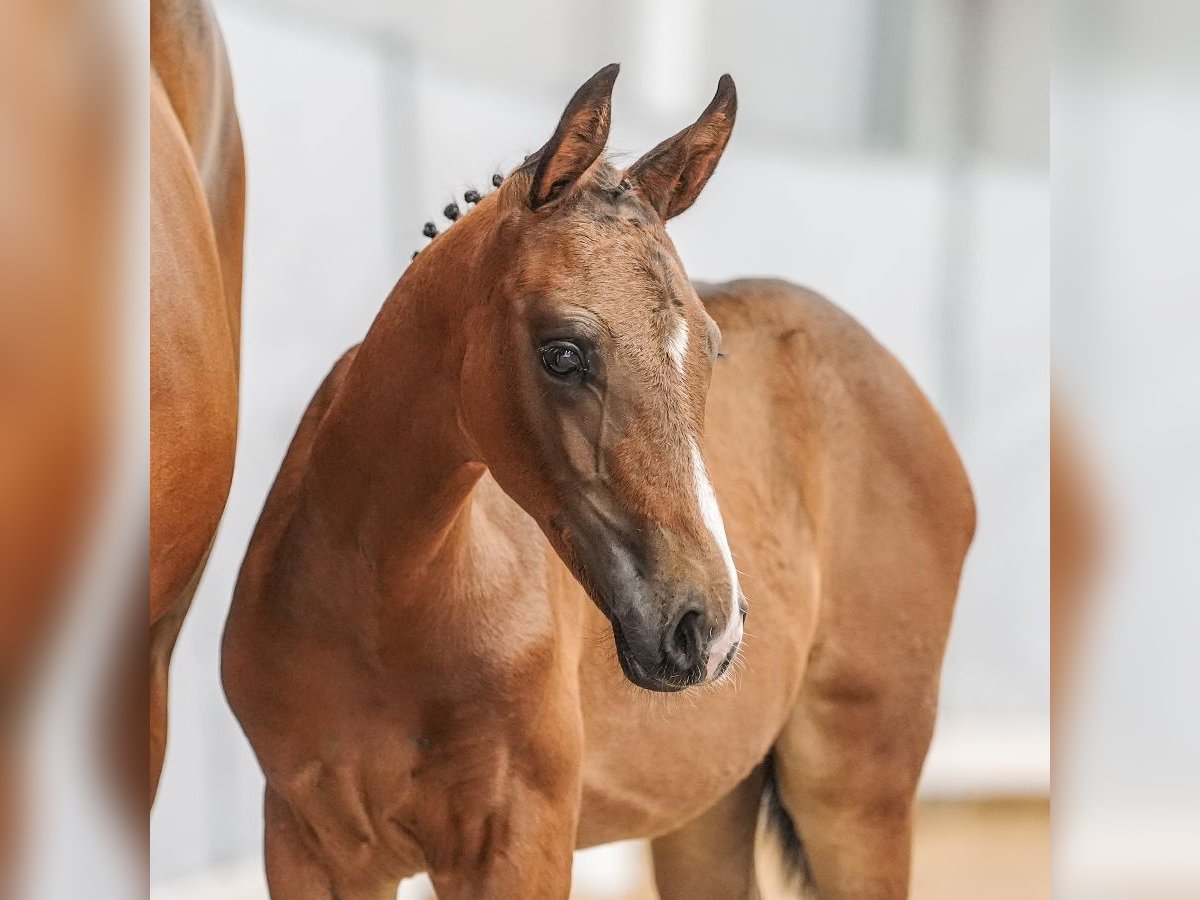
{"x": 778, "y": 821}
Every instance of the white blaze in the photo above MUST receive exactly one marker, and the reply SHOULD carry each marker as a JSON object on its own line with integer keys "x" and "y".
{"x": 711, "y": 514}
{"x": 677, "y": 344}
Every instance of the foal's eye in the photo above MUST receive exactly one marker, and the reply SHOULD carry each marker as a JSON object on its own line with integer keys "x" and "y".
{"x": 563, "y": 359}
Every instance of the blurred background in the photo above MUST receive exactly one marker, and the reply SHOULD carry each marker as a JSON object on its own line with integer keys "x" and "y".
{"x": 891, "y": 154}
{"x": 1125, "y": 314}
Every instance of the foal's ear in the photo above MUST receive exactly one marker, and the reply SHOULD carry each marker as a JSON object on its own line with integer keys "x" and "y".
{"x": 672, "y": 175}
{"x": 577, "y": 141}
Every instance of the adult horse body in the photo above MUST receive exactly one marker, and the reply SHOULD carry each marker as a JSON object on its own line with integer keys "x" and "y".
{"x": 197, "y": 201}
{"x": 59, "y": 236}
{"x": 514, "y": 463}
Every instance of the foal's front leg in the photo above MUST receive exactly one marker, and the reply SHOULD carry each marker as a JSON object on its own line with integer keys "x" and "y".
{"x": 510, "y": 811}
{"x": 522, "y": 849}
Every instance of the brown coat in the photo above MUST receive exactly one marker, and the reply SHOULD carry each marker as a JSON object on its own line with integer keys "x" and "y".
{"x": 197, "y": 198}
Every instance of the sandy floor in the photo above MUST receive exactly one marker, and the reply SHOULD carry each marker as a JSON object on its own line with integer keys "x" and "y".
{"x": 998, "y": 851}
{"x": 981, "y": 851}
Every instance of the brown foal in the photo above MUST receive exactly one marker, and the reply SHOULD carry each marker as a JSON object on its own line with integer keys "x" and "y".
{"x": 514, "y": 464}
{"x": 197, "y": 201}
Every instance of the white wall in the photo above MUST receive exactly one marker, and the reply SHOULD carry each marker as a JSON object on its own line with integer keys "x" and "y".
{"x": 353, "y": 142}
{"x": 1129, "y": 793}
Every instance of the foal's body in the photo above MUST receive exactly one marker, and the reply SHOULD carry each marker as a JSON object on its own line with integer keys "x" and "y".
{"x": 848, "y": 514}
{"x": 424, "y": 680}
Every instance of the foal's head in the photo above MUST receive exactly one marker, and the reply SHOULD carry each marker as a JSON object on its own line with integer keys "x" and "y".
{"x": 588, "y": 358}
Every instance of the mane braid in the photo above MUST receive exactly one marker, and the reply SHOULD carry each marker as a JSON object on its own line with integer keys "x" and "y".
{"x": 606, "y": 180}
{"x": 453, "y": 212}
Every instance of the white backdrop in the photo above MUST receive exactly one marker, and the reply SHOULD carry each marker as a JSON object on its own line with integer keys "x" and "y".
{"x": 353, "y": 140}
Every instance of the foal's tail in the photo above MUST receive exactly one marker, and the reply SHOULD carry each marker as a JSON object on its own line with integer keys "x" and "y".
{"x": 777, "y": 821}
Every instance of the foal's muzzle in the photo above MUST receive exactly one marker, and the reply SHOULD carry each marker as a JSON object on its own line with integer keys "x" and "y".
{"x": 668, "y": 635}
{"x": 686, "y": 652}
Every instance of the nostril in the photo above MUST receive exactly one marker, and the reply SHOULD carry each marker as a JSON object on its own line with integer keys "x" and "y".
{"x": 687, "y": 641}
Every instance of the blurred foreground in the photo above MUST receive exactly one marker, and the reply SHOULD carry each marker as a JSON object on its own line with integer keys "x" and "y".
{"x": 1126, "y": 488}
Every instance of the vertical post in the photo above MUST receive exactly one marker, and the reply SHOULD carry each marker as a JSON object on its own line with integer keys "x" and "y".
{"x": 890, "y": 77}
{"x": 401, "y": 147}
{"x": 962, "y": 135}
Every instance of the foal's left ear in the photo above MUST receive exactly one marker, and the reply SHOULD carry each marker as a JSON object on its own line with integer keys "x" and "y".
{"x": 577, "y": 141}
{"x": 672, "y": 175}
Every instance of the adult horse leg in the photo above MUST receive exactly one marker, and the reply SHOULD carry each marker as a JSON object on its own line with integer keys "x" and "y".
{"x": 712, "y": 856}
{"x": 164, "y": 632}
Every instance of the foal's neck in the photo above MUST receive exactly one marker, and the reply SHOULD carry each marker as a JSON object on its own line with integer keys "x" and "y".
{"x": 392, "y": 469}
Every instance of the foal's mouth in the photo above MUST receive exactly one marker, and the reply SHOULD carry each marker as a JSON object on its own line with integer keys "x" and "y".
{"x": 648, "y": 680}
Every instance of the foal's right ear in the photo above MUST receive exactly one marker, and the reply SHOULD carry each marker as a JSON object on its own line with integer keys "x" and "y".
{"x": 577, "y": 141}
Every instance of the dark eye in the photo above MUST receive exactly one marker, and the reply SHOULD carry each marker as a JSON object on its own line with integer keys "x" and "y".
{"x": 563, "y": 359}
